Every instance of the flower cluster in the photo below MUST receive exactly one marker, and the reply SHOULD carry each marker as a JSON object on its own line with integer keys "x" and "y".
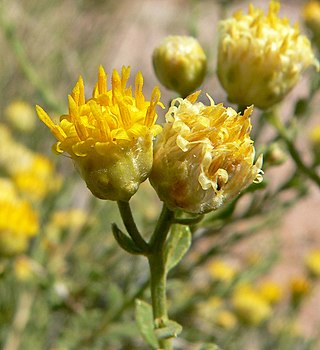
{"x": 261, "y": 57}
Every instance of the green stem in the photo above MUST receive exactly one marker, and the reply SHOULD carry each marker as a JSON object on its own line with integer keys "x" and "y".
{"x": 283, "y": 133}
{"x": 158, "y": 273}
{"x": 161, "y": 231}
{"x": 130, "y": 225}
{"x": 20, "y": 320}
{"x": 158, "y": 279}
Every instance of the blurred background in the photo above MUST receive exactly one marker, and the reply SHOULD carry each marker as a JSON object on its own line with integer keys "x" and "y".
{"x": 45, "y": 46}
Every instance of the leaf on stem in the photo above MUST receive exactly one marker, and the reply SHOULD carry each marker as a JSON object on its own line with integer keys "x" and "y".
{"x": 171, "y": 330}
{"x": 144, "y": 319}
{"x": 124, "y": 241}
{"x": 177, "y": 245}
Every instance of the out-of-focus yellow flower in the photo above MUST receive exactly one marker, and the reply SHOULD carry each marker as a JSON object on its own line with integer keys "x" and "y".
{"x": 180, "y": 64}
{"x": 312, "y": 263}
{"x": 311, "y": 16}
{"x": 204, "y": 156}
{"x": 61, "y": 221}
{"x": 109, "y": 136}
{"x": 226, "y": 319}
{"x": 25, "y": 268}
{"x": 33, "y": 174}
{"x": 37, "y": 178}
{"x": 221, "y": 271}
{"x": 261, "y": 57}
{"x": 18, "y": 222}
{"x": 73, "y": 218}
{"x": 21, "y": 115}
{"x": 300, "y": 287}
{"x": 8, "y": 191}
{"x": 270, "y": 291}
{"x": 214, "y": 302}
{"x": 250, "y": 307}
{"x": 314, "y": 138}
{"x": 315, "y": 135}
{"x": 13, "y": 155}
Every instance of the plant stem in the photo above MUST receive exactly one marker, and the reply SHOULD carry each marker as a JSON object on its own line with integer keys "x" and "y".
{"x": 20, "y": 320}
{"x": 162, "y": 229}
{"x": 157, "y": 263}
{"x": 283, "y": 133}
{"x": 130, "y": 225}
{"x": 158, "y": 273}
{"x": 158, "y": 279}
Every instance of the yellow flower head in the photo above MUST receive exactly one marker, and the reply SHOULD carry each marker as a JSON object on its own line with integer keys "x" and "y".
{"x": 18, "y": 221}
{"x": 109, "y": 136}
{"x": 180, "y": 63}
{"x": 204, "y": 156}
{"x": 261, "y": 57}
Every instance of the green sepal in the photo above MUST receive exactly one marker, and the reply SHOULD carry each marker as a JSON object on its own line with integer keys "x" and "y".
{"x": 144, "y": 319}
{"x": 177, "y": 245}
{"x": 125, "y": 242}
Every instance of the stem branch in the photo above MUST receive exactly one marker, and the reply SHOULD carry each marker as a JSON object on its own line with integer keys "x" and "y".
{"x": 130, "y": 225}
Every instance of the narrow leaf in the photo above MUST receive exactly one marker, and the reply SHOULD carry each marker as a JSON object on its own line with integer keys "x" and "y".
{"x": 177, "y": 245}
{"x": 124, "y": 241}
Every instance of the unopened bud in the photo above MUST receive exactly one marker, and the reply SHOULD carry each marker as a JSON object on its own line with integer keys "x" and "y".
{"x": 180, "y": 64}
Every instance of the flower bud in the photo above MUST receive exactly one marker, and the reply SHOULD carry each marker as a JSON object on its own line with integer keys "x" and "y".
{"x": 204, "y": 156}
{"x": 180, "y": 64}
{"x": 275, "y": 155}
{"x": 109, "y": 137}
{"x": 261, "y": 57}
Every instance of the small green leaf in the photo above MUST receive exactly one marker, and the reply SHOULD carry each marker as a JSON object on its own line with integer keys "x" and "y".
{"x": 144, "y": 319}
{"x": 124, "y": 241}
{"x": 171, "y": 330}
{"x": 177, "y": 245}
